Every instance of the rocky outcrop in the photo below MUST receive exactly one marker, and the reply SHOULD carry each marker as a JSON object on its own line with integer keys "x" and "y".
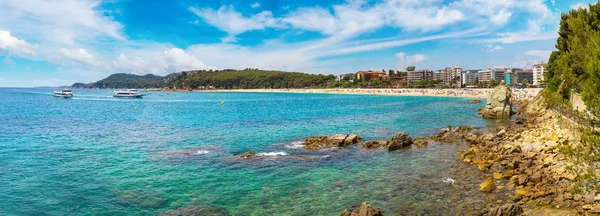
{"x": 365, "y": 209}
{"x": 196, "y": 211}
{"x": 400, "y": 140}
{"x": 247, "y": 155}
{"x": 339, "y": 140}
{"x": 475, "y": 101}
{"x": 420, "y": 142}
{"x": 510, "y": 209}
{"x": 449, "y": 134}
{"x": 374, "y": 144}
{"x": 499, "y": 104}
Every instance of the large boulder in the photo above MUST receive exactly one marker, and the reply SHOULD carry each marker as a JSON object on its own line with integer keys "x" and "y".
{"x": 365, "y": 209}
{"x": 449, "y": 134}
{"x": 338, "y": 140}
{"x": 400, "y": 140}
{"x": 499, "y": 104}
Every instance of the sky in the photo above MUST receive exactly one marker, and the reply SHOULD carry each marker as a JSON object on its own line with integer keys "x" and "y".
{"x": 60, "y": 42}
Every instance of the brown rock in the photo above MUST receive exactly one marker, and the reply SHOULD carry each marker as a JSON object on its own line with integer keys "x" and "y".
{"x": 487, "y": 185}
{"x": 374, "y": 144}
{"x": 537, "y": 178}
{"x": 499, "y": 104}
{"x": 420, "y": 142}
{"x": 338, "y": 140}
{"x": 497, "y": 175}
{"x": 505, "y": 210}
{"x": 247, "y": 155}
{"x": 400, "y": 140}
{"x": 365, "y": 209}
{"x": 474, "y": 101}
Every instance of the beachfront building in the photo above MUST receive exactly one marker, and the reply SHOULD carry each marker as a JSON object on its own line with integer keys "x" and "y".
{"x": 451, "y": 76}
{"x": 485, "y": 75}
{"x": 438, "y": 75}
{"x": 538, "y": 73}
{"x": 371, "y": 75}
{"x": 469, "y": 78}
{"x": 414, "y": 77}
{"x": 490, "y": 74}
{"x": 521, "y": 75}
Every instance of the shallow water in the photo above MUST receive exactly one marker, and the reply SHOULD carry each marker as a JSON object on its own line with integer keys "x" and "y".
{"x": 94, "y": 154}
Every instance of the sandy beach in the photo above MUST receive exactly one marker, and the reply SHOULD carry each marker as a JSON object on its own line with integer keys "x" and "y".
{"x": 527, "y": 93}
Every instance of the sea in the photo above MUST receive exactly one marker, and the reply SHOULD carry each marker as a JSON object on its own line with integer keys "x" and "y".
{"x": 98, "y": 155}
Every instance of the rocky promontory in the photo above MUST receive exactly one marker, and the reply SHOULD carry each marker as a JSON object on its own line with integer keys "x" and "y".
{"x": 338, "y": 140}
{"x": 499, "y": 104}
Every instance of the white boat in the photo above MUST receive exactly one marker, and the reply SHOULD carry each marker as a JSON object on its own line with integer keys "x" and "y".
{"x": 65, "y": 93}
{"x": 129, "y": 93}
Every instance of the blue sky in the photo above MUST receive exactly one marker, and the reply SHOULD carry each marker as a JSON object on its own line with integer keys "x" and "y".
{"x": 50, "y": 43}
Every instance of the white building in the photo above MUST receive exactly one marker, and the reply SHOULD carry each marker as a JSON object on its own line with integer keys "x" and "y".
{"x": 538, "y": 73}
{"x": 469, "y": 78}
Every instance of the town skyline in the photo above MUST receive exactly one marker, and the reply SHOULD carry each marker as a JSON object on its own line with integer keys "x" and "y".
{"x": 40, "y": 47}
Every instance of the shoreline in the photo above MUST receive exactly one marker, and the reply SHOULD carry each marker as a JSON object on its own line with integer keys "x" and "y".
{"x": 476, "y": 93}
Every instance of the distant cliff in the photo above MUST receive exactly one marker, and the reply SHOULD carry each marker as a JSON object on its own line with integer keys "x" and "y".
{"x": 122, "y": 80}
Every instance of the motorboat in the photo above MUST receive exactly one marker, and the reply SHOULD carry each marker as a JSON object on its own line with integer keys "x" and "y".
{"x": 65, "y": 93}
{"x": 129, "y": 93}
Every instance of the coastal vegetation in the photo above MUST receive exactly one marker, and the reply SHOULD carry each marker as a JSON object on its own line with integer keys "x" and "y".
{"x": 246, "y": 79}
{"x": 573, "y": 73}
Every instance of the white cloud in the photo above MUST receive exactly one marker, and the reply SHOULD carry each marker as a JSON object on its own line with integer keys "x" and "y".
{"x": 8, "y": 61}
{"x": 492, "y": 47}
{"x": 80, "y": 56}
{"x": 233, "y": 22}
{"x": 14, "y": 46}
{"x": 405, "y": 61}
{"x": 542, "y": 54}
{"x": 255, "y": 5}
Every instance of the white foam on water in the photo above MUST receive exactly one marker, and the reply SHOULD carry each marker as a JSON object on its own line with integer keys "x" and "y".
{"x": 295, "y": 145}
{"x": 271, "y": 154}
{"x": 201, "y": 152}
{"x": 448, "y": 180}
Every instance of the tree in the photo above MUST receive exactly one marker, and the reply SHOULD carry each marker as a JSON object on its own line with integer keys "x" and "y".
{"x": 526, "y": 82}
{"x": 410, "y": 68}
{"x": 391, "y": 72}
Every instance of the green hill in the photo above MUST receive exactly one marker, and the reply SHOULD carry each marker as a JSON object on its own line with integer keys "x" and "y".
{"x": 122, "y": 80}
{"x": 247, "y": 79}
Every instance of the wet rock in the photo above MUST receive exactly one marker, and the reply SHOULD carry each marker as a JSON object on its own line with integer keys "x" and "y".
{"x": 374, "y": 144}
{"x": 247, "y": 155}
{"x": 475, "y": 101}
{"x": 365, "y": 209}
{"x": 449, "y": 134}
{"x": 487, "y": 185}
{"x": 400, "y": 140}
{"x": 140, "y": 199}
{"x": 338, "y": 140}
{"x": 497, "y": 175}
{"x": 499, "y": 104}
{"x": 510, "y": 209}
{"x": 420, "y": 142}
{"x": 196, "y": 211}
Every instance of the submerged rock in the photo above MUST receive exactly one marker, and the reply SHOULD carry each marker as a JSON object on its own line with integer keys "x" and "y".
{"x": 510, "y": 209}
{"x": 374, "y": 144}
{"x": 196, "y": 211}
{"x": 365, "y": 209}
{"x": 499, "y": 103}
{"x": 475, "y": 101}
{"x": 420, "y": 142}
{"x": 338, "y": 140}
{"x": 139, "y": 199}
{"x": 400, "y": 140}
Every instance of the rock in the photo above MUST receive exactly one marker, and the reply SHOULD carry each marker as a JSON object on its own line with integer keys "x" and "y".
{"x": 140, "y": 199}
{"x": 420, "y": 142}
{"x": 449, "y": 134}
{"x": 501, "y": 133}
{"x": 535, "y": 178}
{"x": 196, "y": 211}
{"x": 484, "y": 166}
{"x": 499, "y": 104}
{"x": 247, "y": 155}
{"x": 400, "y": 140}
{"x": 497, "y": 175}
{"x": 474, "y": 101}
{"x": 365, "y": 209}
{"x": 521, "y": 193}
{"x": 487, "y": 185}
{"x": 374, "y": 144}
{"x": 338, "y": 140}
{"x": 510, "y": 209}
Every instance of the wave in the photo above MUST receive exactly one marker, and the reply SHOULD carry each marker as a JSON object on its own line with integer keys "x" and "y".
{"x": 271, "y": 154}
{"x": 201, "y": 152}
{"x": 295, "y": 145}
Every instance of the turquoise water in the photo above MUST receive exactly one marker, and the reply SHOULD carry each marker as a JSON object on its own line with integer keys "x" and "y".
{"x": 97, "y": 155}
